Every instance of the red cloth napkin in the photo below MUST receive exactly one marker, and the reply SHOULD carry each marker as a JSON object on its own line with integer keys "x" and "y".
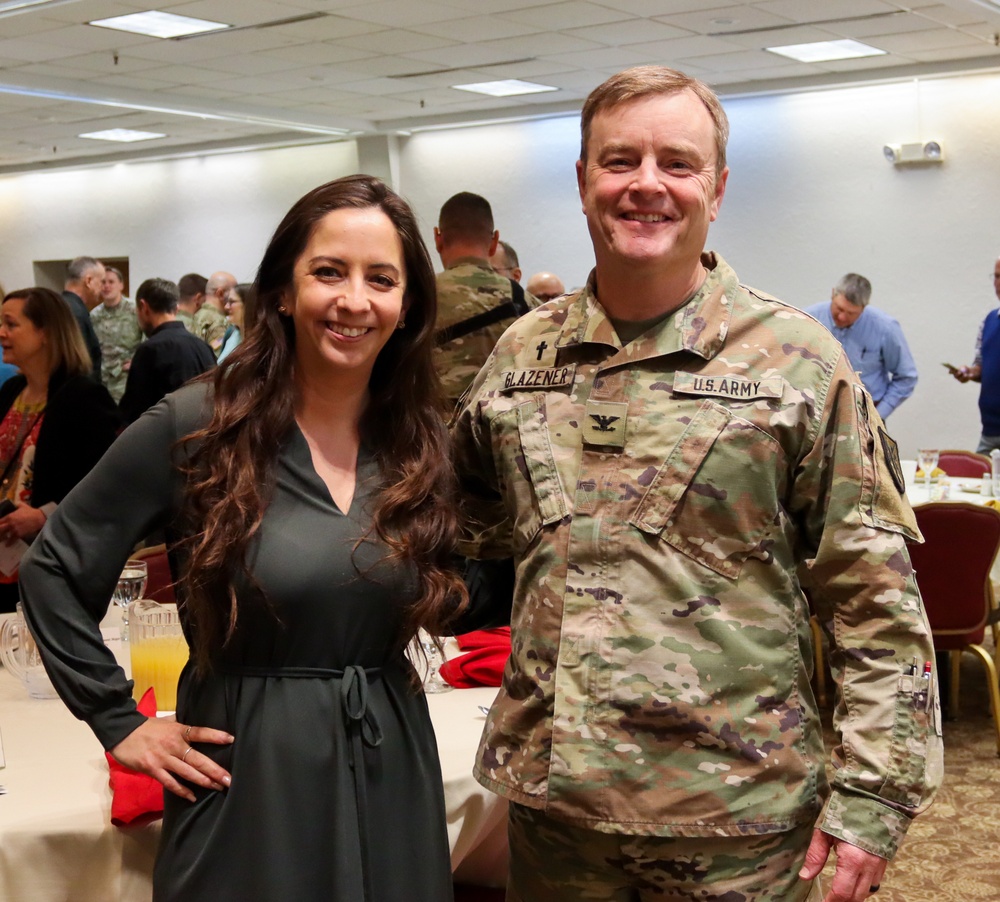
{"x": 135, "y": 798}
{"x": 482, "y": 665}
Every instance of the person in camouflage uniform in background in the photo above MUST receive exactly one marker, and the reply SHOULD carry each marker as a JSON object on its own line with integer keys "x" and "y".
{"x": 210, "y": 321}
{"x": 673, "y": 459}
{"x": 192, "y": 295}
{"x": 117, "y": 331}
{"x": 475, "y": 304}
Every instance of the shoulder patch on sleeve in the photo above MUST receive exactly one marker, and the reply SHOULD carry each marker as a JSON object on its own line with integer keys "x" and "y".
{"x": 891, "y": 451}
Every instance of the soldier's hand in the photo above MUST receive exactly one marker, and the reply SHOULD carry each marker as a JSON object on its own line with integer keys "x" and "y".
{"x": 858, "y": 873}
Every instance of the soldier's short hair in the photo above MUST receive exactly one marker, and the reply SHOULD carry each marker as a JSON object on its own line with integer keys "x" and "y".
{"x": 510, "y": 254}
{"x": 160, "y": 294}
{"x": 78, "y": 267}
{"x": 191, "y": 284}
{"x": 857, "y": 289}
{"x": 647, "y": 81}
{"x": 466, "y": 216}
{"x": 116, "y": 271}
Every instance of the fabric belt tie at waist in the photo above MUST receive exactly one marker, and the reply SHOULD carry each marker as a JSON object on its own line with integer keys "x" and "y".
{"x": 363, "y": 729}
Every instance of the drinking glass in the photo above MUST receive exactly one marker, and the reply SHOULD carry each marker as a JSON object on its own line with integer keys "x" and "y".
{"x": 131, "y": 585}
{"x": 928, "y": 460}
{"x": 433, "y": 681}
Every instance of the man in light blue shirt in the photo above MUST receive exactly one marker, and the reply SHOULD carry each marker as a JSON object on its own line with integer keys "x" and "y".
{"x": 873, "y": 341}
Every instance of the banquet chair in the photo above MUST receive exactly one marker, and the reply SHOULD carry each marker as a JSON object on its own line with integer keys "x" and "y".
{"x": 160, "y": 581}
{"x": 953, "y": 574}
{"x": 964, "y": 463}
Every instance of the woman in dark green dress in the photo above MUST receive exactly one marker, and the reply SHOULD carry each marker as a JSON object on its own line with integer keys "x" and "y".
{"x": 307, "y": 496}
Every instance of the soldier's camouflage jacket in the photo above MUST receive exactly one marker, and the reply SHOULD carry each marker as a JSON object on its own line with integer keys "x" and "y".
{"x": 119, "y": 335}
{"x": 467, "y": 288}
{"x": 210, "y": 326}
{"x": 666, "y": 503}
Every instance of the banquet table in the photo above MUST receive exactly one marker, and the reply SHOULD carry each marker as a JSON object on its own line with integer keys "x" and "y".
{"x": 57, "y": 843}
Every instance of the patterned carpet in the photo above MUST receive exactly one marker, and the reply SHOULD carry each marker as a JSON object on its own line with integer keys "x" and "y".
{"x": 952, "y": 852}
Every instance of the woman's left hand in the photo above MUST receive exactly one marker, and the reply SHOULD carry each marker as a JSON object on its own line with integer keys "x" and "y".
{"x": 21, "y": 523}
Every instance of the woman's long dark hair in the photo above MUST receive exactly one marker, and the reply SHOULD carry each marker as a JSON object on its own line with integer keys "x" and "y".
{"x": 231, "y": 461}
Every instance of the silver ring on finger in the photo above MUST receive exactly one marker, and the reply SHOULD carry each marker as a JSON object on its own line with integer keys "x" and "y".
{"x": 190, "y": 749}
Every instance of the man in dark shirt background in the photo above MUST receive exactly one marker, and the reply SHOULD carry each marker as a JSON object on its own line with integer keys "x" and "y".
{"x": 82, "y": 293}
{"x": 171, "y": 355}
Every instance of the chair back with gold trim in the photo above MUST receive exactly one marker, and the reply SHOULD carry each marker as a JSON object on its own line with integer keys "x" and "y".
{"x": 964, "y": 463}
{"x": 953, "y": 574}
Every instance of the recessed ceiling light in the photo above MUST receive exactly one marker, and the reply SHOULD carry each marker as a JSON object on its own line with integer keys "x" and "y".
{"x": 126, "y": 135}
{"x": 825, "y": 51}
{"x": 159, "y": 25}
{"x": 507, "y": 88}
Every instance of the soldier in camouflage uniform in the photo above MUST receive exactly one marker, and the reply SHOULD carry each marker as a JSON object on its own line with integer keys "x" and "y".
{"x": 117, "y": 331}
{"x": 192, "y": 295}
{"x": 673, "y": 459}
{"x": 210, "y": 321}
{"x": 475, "y": 304}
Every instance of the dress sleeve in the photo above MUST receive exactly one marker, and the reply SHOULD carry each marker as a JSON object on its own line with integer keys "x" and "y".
{"x": 854, "y": 522}
{"x": 69, "y": 573}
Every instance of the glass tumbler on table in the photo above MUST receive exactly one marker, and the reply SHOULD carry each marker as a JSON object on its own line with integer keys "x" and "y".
{"x": 131, "y": 586}
{"x": 928, "y": 460}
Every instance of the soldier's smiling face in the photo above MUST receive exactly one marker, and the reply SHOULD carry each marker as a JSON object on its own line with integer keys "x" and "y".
{"x": 649, "y": 184}
{"x": 111, "y": 286}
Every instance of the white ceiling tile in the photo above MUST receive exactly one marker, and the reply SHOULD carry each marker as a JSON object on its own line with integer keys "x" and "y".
{"x": 743, "y": 60}
{"x": 203, "y": 92}
{"x": 29, "y": 51}
{"x": 630, "y": 31}
{"x": 75, "y": 13}
{"x": 81, "y": 38}
{"x": 135, "y": 82}
{"x": 478, "y": 28}
{"x": 463, "y": 56}
{"x": 782, "y": 37}
{"x": 936, "y": 39}
{"x": 800, "y": 11}
{"x": 653, "y": 8}
{"x": 104, "y": 62}
{"x": 966, "y": 14}
{"x": 498, "y": 6}
{"x": 244, "y": 12}
{"x": 26, "y": 26}
{"x": 396, "y": 40}
{"x": 951, "y": 53}
{"x": 317, "y": 54}
{"x": 541, "y": 45}
{"x": 872, "y": 28}
{"x": 567, "y": 15}
{"x": 399, "y": 13}
{"x": 743, "y": 17}
{"x": 612, "y": 58}
{"x": 683, "y": 48}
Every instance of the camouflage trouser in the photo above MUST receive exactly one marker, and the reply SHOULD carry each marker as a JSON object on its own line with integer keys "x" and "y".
{"x": 556, "y": 862}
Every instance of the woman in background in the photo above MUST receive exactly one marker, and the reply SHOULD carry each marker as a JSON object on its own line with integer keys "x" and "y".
{"x": 307, "y": 495}
{"x": 55, "y": 421}
{"x": 237, "y": 302}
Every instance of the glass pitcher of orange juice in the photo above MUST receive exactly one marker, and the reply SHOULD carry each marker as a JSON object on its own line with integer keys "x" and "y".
{"x": 158, "y": 650}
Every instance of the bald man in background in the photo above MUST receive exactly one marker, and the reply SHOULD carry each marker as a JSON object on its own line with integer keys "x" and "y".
{"x": 210, "y": 321}
{"x": 545, "y": 286}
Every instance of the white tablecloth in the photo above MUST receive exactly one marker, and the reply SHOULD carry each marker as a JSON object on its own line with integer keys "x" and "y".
{"x": 56, "y": 839}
